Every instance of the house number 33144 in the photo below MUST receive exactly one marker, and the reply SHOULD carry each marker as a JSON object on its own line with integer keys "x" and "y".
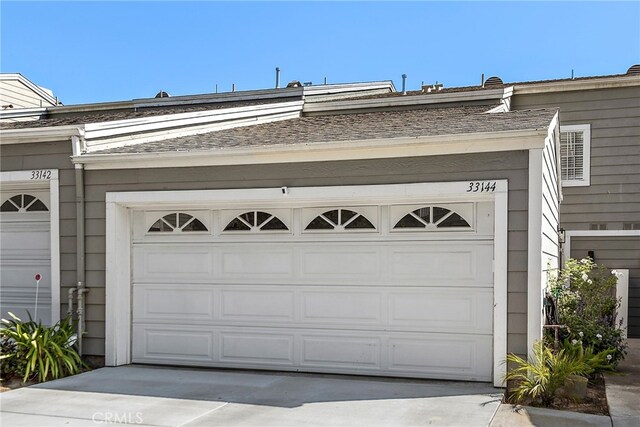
{"x": 481, "y": 187}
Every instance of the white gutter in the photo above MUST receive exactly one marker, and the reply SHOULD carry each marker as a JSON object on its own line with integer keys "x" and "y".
{"x": 573, "y": 85}
{"x": 41, "y": 134}
{"x": 324, "y": 151}
{"x": 11, "y": 114}
{"x": 409, "y": 100}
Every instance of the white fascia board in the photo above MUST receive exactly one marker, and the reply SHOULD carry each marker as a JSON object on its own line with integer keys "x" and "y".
{"x": 41, "y": 134}
{"x": 15, "y": 113}
{"x": 573, "y": 85}
{"x": 324, "y": 151}
{"x": 346, "y": 87}
{"x": 146, "y": 124}
{"x": 397, "y": 101}
{"x": 195, "y": 129}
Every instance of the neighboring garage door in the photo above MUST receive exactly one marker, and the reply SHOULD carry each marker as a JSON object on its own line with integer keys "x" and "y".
{"x": 399, "y": 290}
{"x": 25, "y": 250}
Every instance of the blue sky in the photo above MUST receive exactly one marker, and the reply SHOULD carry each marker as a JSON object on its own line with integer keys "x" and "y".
{"x": 94, "y": 51}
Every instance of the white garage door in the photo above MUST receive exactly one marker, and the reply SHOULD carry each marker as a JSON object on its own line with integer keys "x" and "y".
{"x": 400, "y": 290}
{"x": 25, "y": 250}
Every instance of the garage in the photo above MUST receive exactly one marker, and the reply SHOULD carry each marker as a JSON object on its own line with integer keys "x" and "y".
{"x": 25, "y": 251}
{"x": 402, "y": 287}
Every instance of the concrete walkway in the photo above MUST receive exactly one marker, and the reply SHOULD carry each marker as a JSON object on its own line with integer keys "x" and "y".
{"x": 623, "y": 391}
{"x": 146, "y": 395}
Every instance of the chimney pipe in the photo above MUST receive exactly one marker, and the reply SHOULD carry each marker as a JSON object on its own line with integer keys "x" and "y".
{"x": 233, "y": 87}
{"x": 482, "y": 80}
{"x": 404, "y": 84}
{"x": 277, "y": 77}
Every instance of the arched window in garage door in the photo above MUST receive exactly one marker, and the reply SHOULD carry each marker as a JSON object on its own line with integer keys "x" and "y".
{"x": 256, "y": 221}
{"x": 432, "y": 218}
{"x": 177, "y": 222}
{"x": 23, "y": 203}
{"x": 340, "y": 219}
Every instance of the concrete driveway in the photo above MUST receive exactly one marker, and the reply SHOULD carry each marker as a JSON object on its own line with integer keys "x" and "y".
{"x": 146, "y": 395}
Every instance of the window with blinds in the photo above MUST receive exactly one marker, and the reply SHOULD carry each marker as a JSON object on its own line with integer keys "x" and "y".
{"x": 574, "y": 154}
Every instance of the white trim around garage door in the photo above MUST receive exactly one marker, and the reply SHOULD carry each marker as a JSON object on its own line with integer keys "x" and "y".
{"x": 119, "y": 227}
{"x": 43, "y": 178}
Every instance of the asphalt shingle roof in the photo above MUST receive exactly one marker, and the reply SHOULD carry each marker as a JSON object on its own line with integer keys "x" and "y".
{"x": 346, "y": 127}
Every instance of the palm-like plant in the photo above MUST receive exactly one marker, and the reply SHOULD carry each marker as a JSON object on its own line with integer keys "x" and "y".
{"x": 44, "y": 351}
{"x": 543, "y": 374}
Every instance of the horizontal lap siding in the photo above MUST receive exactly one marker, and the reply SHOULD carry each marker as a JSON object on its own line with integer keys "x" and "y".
{"x": 56, "y": 155}
{"x": 616, "y": 252}
{"x": 510, "y": 165}
{"x": 15, "y": 93}
{"x": 614, "y": 116}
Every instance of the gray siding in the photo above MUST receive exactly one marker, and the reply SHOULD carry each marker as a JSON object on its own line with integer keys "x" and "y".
{"x": 614, "y": 115}
{"x": 616, "y": 252}
{"x": 512, "y": 166}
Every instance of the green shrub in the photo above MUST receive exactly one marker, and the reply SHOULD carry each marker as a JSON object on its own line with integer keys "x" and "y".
{"x": 538, "y": 378}
{"x": 39, "y": 351}
{"x": 585, "y": 302}
{"x": 596, "y": 362}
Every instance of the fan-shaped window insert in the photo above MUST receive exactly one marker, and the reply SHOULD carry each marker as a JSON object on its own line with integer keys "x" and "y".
{"x": 256, "y": 221}
{"x": 177, "y": 223}
{"x": 340, "y": 219}
{"x": 432, "y": 217}
{"x": 23, "y": 203}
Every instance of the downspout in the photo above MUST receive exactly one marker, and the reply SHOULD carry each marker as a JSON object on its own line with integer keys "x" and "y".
{"x": 81, "y": 289}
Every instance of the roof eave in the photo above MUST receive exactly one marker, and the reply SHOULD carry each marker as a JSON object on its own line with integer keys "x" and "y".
{"x": 326, "y": 151}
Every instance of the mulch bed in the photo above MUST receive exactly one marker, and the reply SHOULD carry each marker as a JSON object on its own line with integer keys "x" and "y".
{"x": 595, "y": 403}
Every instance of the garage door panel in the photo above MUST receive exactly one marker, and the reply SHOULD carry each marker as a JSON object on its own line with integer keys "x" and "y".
{"x": 248, "y": 261}
{"x": 257, "y": 305}
{"x": 438, "y": 309}
{"x": 341, "y": 261}
{"x": 463, "y": 356}
{"x": 423, "y": 355}
{"x": 174, "y": 345}
{"x": 188, "y": 303}
{"x": 341, "y": 351}
{"x": 263, "y": 347}
{"x": 342, "y": 306}
{"x": 172, "y": 263}
{"x": 456, "y": 264}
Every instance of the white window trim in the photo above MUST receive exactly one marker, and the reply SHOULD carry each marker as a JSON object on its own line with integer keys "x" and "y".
{"x": 119, "y": 225}
{"x": 586, "y": 162}
{"x": 24, "y": 180}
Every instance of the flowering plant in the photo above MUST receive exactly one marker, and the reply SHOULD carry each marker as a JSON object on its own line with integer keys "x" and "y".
{"x": 585, "y": 302}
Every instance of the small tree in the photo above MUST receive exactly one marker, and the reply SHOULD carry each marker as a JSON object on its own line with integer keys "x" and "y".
{"x": 585, "y": 301}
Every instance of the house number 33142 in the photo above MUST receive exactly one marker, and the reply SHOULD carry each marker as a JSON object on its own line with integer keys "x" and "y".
{"x": 481, "y": 187}
{"x": 41, "y": 174}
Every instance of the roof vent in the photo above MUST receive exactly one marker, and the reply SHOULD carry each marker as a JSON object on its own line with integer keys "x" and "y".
{"x": 294, "y": 83}
{"x": 493, "y": 81}
{"x": 162, "y": 94}
{"x": 634, "y": 70}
